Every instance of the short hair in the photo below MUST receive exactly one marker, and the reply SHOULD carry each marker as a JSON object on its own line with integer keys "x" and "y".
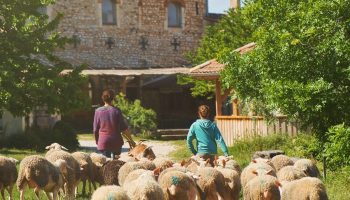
{"x": 204, "y": 111}
{"x": 108, "y": 95}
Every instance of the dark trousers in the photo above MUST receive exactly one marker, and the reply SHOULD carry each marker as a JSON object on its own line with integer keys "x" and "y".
{"x": 111, "y": 154}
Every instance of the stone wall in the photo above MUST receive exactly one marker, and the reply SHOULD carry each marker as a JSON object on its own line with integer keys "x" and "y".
{"x": 137, "y": 21}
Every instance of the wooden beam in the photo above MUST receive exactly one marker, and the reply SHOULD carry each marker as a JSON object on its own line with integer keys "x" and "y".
{"x": 235, "y": 111}
{"x": 218, "y": 99}
{"x": 123, "y": 85}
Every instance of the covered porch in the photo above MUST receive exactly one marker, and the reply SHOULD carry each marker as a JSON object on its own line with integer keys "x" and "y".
{"x": 233, "y": 126}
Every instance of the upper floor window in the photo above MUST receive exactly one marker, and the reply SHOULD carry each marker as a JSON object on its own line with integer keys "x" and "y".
{"x": 174, "y": 15}
{"x": 109, "y": 12}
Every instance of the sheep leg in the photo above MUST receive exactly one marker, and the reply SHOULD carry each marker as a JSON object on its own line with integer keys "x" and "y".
{"x": 9, "y": 190}
{"x": 48, "y": 195}
{"x": 21, "y": 190}
{"x": 83, "y": 189}
{"x": 89, "y": 186}
{"x": 94, "y": 184}
{"x": 3, "y": 193}
{"x": 36, "y": 191}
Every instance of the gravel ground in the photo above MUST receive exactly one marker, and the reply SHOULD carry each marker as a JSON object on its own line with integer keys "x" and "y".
{"x": 160, "y": 148}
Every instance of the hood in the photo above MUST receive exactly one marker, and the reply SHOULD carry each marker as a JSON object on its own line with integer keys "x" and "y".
{"x": 205, "y": 123}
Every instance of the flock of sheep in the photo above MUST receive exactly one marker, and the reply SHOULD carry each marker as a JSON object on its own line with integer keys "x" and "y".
{"x": 145, "y": 177}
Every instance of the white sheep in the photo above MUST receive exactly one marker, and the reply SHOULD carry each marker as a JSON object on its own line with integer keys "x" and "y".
{"x": 212, "y": 182}
{"x": 309, "y": 188}
{"x": 178, "y": 185}
{"x": 163, "y": 163}
{"x": 8, "y": 175}
{"x": 110, "y": 192}
{"x": 38, "y": 173}
{"x": 290, "y": 173}
{"x": 229, "y": 163}
{"x": 144, "y": 187}
{"x": 281, "y": 161}
{"x": 87, "y": 170}
{"x": 73, "y": 171}
{"x": 254, "y": 169}
{"x": 308, "y": 167}
{"x": 232, "y": 182}
{"x": 131, "y": 166}
{"x": 262, "y": 187}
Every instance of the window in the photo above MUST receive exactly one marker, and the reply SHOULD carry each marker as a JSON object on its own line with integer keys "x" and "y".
{"x": 109, "y": 14}
{"x": 218, "y": 6}
{"x": 174, "y": 15}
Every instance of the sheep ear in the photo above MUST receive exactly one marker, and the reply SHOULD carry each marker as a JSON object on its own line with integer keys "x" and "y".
{"x": 183, "y": 162}
{"x": 255, "y": 172}
{"x": 253, "y": 161}
{"x": 172, "y": 190}
{"x": 278, "y": 184}
{"x": 64, "y": 148}
{"x": 224, "y": 163}
{"x": 136, "y": 159}
{"x": 266, "y": 194}
{"x": 207, "y": 161}
{"x": 48, "y": 147}
{"x": 156, "y": 172}
{"x": 230, "y": 184}
{"x": 269, "y": 172}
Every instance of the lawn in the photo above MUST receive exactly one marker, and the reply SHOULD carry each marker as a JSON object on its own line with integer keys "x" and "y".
{"x": 337, "y": 182}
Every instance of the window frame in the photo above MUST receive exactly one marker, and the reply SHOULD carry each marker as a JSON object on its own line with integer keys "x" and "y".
{"x": 179, "y": 15}
{"x": 114, "y": 10}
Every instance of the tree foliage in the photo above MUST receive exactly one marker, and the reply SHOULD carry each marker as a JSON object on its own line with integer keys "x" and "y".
{"x": 300, "y": 66}
{"x": 30, "y": 71}
{"x": 231, "y": 31}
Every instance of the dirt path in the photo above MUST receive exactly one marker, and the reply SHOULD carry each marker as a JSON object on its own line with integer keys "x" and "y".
{"x": 160, "y": 148}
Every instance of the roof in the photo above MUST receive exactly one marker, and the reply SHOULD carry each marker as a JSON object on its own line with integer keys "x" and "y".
{"x": 212, "y": 68}
{"x": 133, "y": 72}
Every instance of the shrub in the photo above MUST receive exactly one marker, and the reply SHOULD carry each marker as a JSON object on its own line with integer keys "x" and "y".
{"x": 337, "y": 147}
{"x": 37, "y": 139}
{"x": 141, "y": 120}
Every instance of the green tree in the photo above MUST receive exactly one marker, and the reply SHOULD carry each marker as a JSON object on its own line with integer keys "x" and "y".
{"x": 231, "y": 31}
{"x": 30, "y": 71}
{"x": 300, "y": 66}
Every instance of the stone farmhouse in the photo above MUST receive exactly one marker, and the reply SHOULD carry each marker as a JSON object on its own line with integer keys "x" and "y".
{"x": 137, "y": 47}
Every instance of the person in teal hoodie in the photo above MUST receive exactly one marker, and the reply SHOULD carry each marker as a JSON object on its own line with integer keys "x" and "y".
{"x": 207, "y": 134}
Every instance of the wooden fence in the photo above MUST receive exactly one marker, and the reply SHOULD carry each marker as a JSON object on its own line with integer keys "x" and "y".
{"x": 237, "y": 127}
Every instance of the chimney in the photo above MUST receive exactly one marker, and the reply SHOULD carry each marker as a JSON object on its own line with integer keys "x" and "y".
{"x": 235, "y": 4}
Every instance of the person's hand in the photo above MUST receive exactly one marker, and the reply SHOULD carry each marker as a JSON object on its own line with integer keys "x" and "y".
{"x": 194, "y": 157}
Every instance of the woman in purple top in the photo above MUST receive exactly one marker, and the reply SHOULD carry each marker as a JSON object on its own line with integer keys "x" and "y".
{"x": 108, "y": 125}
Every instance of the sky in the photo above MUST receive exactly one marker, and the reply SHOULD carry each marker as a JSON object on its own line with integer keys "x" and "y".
{"x": 218, "y": 6}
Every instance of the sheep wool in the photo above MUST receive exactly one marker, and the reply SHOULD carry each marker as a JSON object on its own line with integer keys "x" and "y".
{"x": 87, "y": 171}
{"x": 8, "y": 175}
{"x": 110, "y": 172}
{"x": 110, "y": 192}
{"x": 232, "y": 182}
{"x": 281, "y": 161}
{"x": 178, "y": 185}
{"x": 307, "y": 188}
{"x": 308, "y": 167}
{"x": 290, "y": 173}
{"x": 210, "y": 182}
{"x": 163, "y": 163}
{"x": 254, "y": 169}
{"x": 126, "y": 169}
{"x": 262, "y": 187}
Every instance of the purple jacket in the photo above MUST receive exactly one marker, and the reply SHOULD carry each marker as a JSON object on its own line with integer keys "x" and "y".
{"x": 108, "y": 125}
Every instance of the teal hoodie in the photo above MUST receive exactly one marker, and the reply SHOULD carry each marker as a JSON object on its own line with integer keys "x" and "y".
{"x": 207, "y": 134}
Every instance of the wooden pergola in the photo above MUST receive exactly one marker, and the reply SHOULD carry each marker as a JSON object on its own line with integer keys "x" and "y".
{"x": 210, "y": 71}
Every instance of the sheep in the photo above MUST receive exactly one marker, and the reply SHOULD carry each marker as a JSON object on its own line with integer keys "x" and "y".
{"x": 144, "y": 187}
{"x": 211, "y": 183}
{"x": 308, "y": 167}
{"x": 281, "y": 161}
{"x": 98, "y": 159}
{"x": 178, "y": 185}
{"x": 223, "y": 162}
{"x": 130, "y": 166}
{"x": 54, "y": 147}
{"x": 307, "y": 188}
{"x": 262, "y": 187}
{"x": 110, "y": 192}
{"x": 87, "y": 171}
{"x": 181, "y": 169}
{"x": 8, "y": 175}
{"x": 290, "y": 173}
{"x": 73, "y": 175}
{"x": 163, "y": 163}
{"x": 232, "y": 182}
{"x": 110, "y": 172}
{"x": 37, "y": 172}
{"x": 142, "y": 151}
{"x": 254, "y": 169}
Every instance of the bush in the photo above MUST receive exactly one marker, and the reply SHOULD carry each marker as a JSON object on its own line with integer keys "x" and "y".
{"x": 37, "y": 139}
{"x": 337, "y": 148}
{"x": 140, "y": 119}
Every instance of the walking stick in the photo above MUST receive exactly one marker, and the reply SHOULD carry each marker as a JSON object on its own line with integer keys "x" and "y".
{"x": 127, "y": 135}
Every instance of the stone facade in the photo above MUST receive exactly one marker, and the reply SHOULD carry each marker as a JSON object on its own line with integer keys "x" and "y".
{"x": 140, "y": 39}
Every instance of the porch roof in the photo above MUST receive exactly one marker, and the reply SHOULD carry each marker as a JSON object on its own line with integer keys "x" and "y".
{"x": 133, "y": 72}
{"x": 212, "y": 68}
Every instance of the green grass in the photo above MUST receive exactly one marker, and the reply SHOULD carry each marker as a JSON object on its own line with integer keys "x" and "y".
{"x": 337, "y": 182}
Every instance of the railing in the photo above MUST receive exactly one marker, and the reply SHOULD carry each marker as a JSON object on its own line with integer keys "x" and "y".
{"x": 237, "y": 127}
